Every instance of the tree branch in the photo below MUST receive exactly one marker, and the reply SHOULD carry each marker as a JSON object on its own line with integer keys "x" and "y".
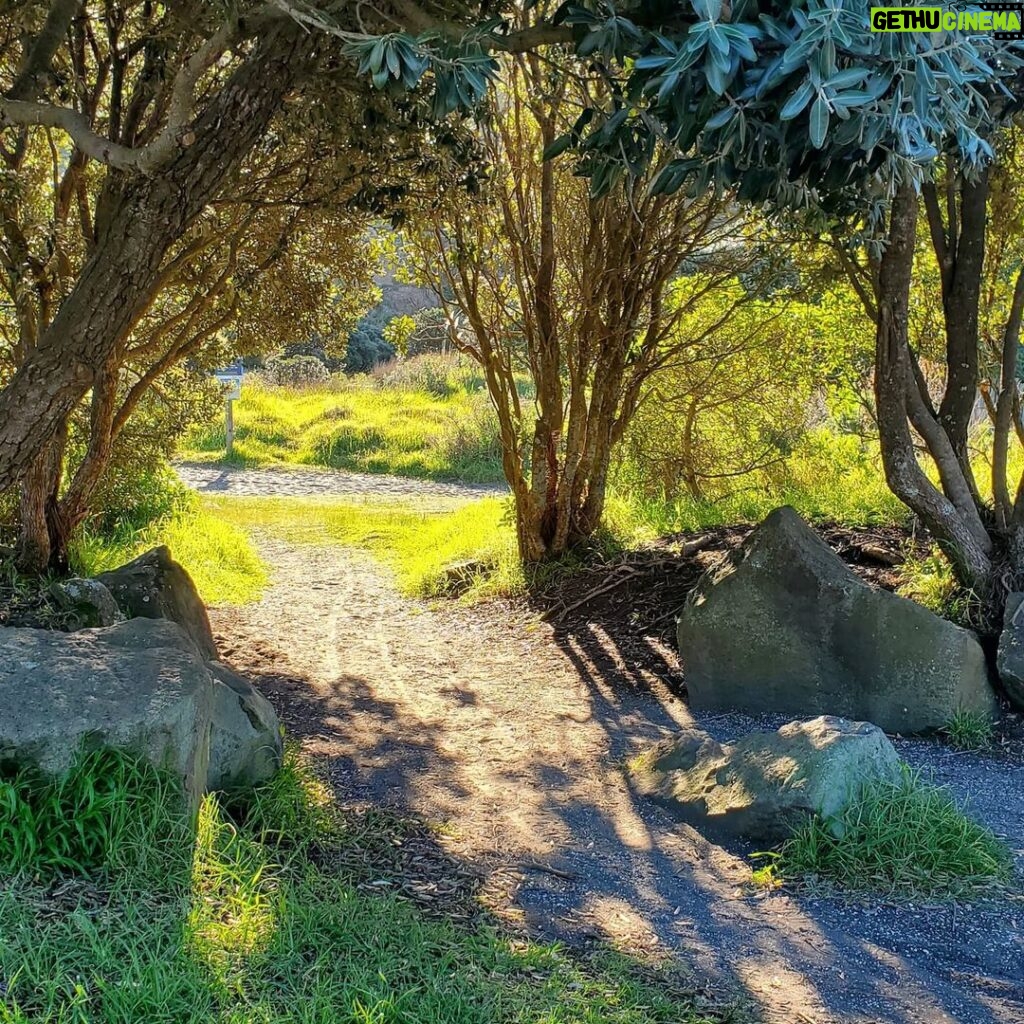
{"x": 146, "y": 159}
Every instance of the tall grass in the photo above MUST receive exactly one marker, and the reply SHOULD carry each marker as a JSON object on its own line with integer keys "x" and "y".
{"x": 257, "y": 921}
{"x": 106, "y": 809}
{"x": 220, "y": 557}
{"x": 428, "y": 419}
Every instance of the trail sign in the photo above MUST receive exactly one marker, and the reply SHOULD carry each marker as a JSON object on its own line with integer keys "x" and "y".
{"x": 231, "y": 377}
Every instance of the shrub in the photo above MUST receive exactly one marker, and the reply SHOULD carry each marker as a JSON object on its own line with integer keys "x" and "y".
{"x": 366, "y": 349}
{"x": 295, "y": 371}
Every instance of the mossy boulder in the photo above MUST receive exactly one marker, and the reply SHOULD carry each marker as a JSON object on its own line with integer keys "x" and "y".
{"x": 764, "y": 785}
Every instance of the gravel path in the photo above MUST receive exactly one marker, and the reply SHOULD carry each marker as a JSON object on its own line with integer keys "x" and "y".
{"x": 508, "y": 732}
{"x": 316, "y": 482}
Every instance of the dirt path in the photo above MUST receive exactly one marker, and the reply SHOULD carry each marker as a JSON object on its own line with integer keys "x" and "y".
{"x": 311, "y": 481}
{"x": 511, "y": 735}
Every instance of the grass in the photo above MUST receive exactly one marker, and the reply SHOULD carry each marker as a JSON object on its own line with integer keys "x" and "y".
{"x": 829, "y": 477}
{"x": 969, "y": 730}
{"x": 255, "y": 921}
{"x": 908, "y": 838}
{"x": 219, "y": 556}
{"x": 420, "y": 545}
{"x": 449, "y": 433}
{"x": 108, "y": 806}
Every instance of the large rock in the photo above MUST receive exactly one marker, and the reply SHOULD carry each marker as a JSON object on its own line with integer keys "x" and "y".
{"x": 246, "y": 743}
{"x": 784, "y": 626}
{"x": 1010, "y": 658}
{"x": 768, "y": 782}
{"x": 139, "y": 686}
{"x": 154, "y": 586}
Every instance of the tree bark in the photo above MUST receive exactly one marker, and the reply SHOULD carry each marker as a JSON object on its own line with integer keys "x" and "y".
{"x": 42, "y": 541}
{"x": 956, "y": 525}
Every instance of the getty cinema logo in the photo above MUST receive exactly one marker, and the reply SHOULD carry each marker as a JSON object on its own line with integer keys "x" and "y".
{"x": 1000, "y": 20}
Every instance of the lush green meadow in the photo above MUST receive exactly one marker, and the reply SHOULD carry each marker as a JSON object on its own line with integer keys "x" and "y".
{"x": 430, "y": 420}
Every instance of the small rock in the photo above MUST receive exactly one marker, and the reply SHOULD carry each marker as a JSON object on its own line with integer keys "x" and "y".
{"x": 768, "y": 782}
{"x": 154, "y": 586}
{"x": 87, "y": 604}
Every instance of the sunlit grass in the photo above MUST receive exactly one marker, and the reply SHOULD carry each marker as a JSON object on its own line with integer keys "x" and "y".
{"x": 829, "y": 477}
{"x": 272, "y": 916}
{"x": 359, "y": 426}
{"x": 219, "y": 556}
{"x": 421, "y": 546}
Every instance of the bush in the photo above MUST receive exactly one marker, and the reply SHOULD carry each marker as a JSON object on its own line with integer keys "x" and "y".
{"x": 316, "y": 349}
{"x": 295, "y": 371}
{"x": 365, "y": 350}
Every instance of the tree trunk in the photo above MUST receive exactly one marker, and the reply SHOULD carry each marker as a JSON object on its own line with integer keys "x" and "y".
{"x": 952, "y": 517}
{"x": 42, "y": 541}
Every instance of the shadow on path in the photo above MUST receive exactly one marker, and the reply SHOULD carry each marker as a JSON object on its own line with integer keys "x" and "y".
{"x": 514, "y": 735}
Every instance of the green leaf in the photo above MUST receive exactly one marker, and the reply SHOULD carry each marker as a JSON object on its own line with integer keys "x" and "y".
{"x": 796, "y": 103}
{"x": 819, "y": 122}
{"x": 558, "y": 147}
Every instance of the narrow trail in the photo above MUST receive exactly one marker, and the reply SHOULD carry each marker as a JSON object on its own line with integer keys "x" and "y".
{"x": 509, "y": 734}
{"x": 313, "y": 481}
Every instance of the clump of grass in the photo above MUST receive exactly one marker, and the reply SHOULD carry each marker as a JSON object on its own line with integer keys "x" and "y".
{"x": 242, "y": 924}
{"x": 107, "y": 807}
{"x": 930, "y": 581}
{"x": 969, "y": 730}
{"x": 908, "y": 837}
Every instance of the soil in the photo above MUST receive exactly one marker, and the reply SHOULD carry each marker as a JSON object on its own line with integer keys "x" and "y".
{"x": 510, "y": 733}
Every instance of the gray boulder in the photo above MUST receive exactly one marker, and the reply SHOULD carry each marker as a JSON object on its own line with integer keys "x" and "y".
{"x": 246, "y": 742}
{"x": 154, "y": 586}
{"x": 1010, "y": 658}
{"x": 767, "y": 783}
{"x": 784, "y": 626}
{"x": 86, "y": 604}
{"x": 139, "y": 686}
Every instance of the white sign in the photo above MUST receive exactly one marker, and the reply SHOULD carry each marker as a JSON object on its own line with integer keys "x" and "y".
{"x": 231, "y": 378}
